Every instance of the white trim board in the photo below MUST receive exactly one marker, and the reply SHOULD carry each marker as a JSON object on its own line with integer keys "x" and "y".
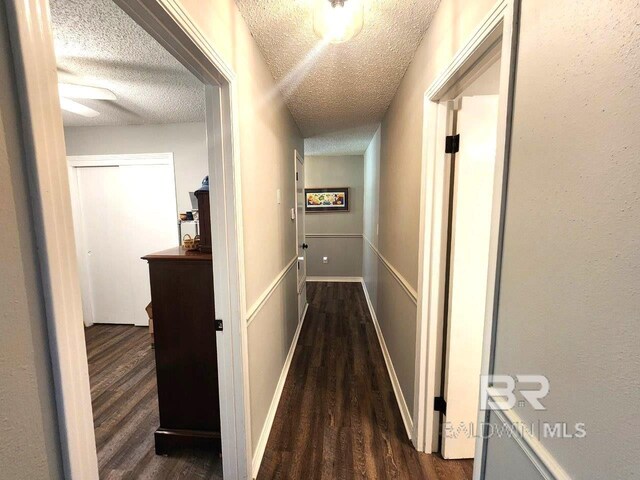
{"x": 275, "y": 401}
{"x": 335, "y": 279}
{"x": 264, "y": 297}
{"x": 397, "y": 390}
{"x": 406, "y": 286}
{"x": 535, "y": 451}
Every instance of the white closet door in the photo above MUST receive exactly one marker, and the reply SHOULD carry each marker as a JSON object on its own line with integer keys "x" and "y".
{"x": 104, "y": 244}
{"x": 149, "y": 196}
{"x": 473, "y": 197}
{"x": 126, "y": 212}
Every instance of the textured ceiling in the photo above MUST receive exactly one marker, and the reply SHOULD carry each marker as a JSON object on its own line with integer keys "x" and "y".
{"x": 98, "y": 44}
{"x": 338, "y": 93}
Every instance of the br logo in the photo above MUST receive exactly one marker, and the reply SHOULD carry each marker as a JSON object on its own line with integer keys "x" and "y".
{"x": 499, "y": 391}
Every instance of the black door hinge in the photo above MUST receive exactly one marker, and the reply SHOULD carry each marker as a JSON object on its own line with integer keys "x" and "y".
{"x": 296, "y": 176}
{"x": 440, "y": 405}
{"x": 452, "y": 144}
{"x": 218, "y": 325}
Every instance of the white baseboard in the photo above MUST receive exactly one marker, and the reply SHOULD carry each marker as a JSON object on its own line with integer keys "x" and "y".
{"x": 402, "y": 404}
{"x": 271, "y": 414}
{"x": 335, "y": 279}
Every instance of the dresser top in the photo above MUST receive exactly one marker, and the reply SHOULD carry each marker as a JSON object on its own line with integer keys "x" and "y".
{"x": 179, "y": 253}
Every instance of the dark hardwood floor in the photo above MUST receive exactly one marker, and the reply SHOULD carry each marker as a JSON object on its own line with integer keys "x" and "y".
{"x": 338, "y": 417}
{"x": 125, "y": 410}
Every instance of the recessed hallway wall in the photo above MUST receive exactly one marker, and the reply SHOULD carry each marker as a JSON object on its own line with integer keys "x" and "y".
{"x": 337, "y": 236}
{"x": 393, "y": 168}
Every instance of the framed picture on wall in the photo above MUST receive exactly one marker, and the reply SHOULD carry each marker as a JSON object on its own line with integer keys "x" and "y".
{"x": 319, "y": 200}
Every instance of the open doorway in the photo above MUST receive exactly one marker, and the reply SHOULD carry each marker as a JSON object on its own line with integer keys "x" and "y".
{"x": 32, "y": 41}
{"x": 136, "y": 144}
{"x": 472, "y": 122}
{"x": 465, "y": 162}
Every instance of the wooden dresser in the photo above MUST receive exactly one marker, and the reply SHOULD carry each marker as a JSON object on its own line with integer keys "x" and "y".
{"x": 185, "y": 348}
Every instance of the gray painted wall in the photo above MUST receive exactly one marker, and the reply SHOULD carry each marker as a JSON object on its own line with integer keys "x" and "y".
{"x": 506, "y": 460}
{"x": 393, "y": 163}
{"x": 29, "y": 448}
{"x": 344, "y": 253}
{"x": 570, "y": 289}
{"x": 187, "y": 142}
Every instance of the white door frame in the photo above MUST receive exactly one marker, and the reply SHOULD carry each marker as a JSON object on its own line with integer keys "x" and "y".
{"x": 112, "y": 160}
{"x": 300, "y": 286}
{"x": 168, "y": 23}
{"x": 501, "y": 21}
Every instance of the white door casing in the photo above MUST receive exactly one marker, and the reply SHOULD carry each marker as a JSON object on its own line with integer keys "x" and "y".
{"x": 470, "y": 238}
{"x": 300, "y": 234}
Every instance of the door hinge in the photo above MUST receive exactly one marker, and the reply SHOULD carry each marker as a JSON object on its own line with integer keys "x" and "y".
{"x": 218, "y": 325}
{"x": 440, "y": 405}
{"x": 452, "y": 144}
{"x": 297, "y": 176}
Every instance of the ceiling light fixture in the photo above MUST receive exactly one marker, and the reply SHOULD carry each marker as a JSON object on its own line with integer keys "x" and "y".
{"x": 337, "y": 21}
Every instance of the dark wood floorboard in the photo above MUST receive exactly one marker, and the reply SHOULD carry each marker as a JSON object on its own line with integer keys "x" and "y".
{"x": 338, "y": 417}
{"x": 125, "y": 410}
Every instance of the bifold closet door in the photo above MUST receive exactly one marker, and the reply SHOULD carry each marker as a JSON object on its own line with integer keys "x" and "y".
{"x": 125, "y": 212}
{"x": 471, "y": 229}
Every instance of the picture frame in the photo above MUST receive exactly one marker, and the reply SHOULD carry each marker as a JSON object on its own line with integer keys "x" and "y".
{"x": 324, "y": 200}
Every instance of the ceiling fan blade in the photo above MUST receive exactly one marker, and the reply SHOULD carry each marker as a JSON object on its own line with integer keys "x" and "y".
{"x": 77, "y": 108}
{"x": 70, "y": 90}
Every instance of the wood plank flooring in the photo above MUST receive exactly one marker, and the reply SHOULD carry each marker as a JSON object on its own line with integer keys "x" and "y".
{"x": 125, "y": 410}
{"x": 338, "y": 417}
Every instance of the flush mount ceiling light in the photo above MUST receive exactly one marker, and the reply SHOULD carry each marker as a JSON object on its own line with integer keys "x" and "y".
{"x": 68, "y": 91}
{"x": 337, "y": 21}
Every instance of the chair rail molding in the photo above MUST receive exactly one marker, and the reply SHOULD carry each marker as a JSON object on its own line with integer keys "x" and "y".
{"x": 535, "y": 451}
{"x": 406, "y": 286}
{"x": 262, "y": 300}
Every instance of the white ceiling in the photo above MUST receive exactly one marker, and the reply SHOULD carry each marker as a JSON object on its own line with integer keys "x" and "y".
{"x": 98, "y": 44}
{"x": 339, "y": 95}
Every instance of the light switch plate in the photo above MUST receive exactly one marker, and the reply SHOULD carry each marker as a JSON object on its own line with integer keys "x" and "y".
{"x": 325, "y": 259}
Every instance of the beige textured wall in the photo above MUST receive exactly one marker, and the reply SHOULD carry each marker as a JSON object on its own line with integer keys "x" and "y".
{"x": 29, "y": 448}
{"x": 570, "y": 287}
{"x": 345, "y": 254}
{"x": 187, "y": 142}
{"x": 398, "y": 182}
{"x": 268, "y": 137}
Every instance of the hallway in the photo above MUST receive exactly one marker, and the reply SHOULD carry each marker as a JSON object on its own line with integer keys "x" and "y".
{"x": 338, "y": 417}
